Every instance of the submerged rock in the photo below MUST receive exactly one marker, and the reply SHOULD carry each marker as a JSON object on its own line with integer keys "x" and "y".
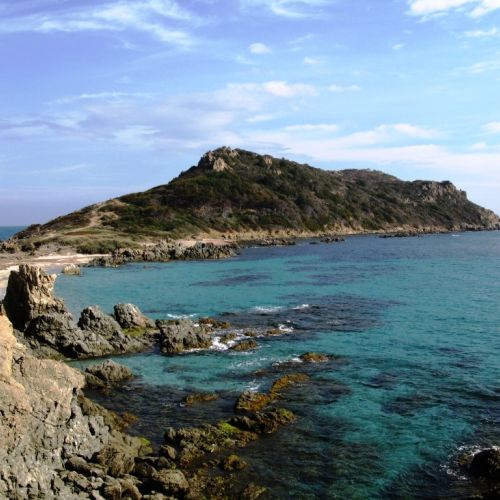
{"x": 179, "y": 335}
{"x": 314, "y": 357}
{"x": 129, "y": 316}
{"x": 233, "y": 462}
{"x": 106, "y": 374}
{"x": 199, "y": 397}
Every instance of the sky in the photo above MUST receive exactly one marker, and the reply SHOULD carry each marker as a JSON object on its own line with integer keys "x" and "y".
{"x": 102, "y": 98}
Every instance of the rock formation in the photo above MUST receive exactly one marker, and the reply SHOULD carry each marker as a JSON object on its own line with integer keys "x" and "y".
{"x": 47, "y": 327}
{"x": 183, "y": 334}
{"x": 129, "y": 316}
{"x": 50, "y": 448}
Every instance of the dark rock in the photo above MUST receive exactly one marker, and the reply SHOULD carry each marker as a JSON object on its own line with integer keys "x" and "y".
{"x": 107, "y": 373}
{"x": 129, "y": 316}
{"x": 244, "y": 345}
{"x": 486, "y": 464}
{"x": 180, "y": 335}
{"x": 93, "y": 319}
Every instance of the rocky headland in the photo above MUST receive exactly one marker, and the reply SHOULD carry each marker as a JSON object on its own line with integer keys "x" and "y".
{"x": 236, "y": 195}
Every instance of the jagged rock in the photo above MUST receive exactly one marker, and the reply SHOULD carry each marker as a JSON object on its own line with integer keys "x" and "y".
{"x": 95, "y": 320}
{"x": 30, "y": 293}
{"x": 129, "y": 316}
{"x": 107, "y": 373}
{"x": 179, "y": 335}
{"x": 72, "y": 270}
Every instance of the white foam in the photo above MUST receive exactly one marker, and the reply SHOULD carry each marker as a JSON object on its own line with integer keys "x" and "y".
{"x": 285, "y": 329}
{"x": 301, "y": 307}
{"x": 268, "y": 309}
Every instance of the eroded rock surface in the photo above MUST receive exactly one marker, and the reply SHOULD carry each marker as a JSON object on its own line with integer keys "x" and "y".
{"x": 183, "y": 334}
{"x": 129, "y": 316}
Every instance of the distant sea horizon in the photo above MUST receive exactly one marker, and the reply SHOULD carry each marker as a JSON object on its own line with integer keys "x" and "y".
{"x": 7, "y": 231}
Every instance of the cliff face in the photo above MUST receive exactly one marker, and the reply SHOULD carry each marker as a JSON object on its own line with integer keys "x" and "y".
{"x": 236, "y": 191}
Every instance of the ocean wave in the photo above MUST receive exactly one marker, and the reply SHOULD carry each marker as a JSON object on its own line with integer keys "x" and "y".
{"x": 285, "y": 328}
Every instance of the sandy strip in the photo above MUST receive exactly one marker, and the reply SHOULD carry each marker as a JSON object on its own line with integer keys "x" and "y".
{"x": 52, "y": 263}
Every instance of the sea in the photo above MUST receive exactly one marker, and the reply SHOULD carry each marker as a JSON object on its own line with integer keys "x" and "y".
{"x": 7, "y": 231}
{"x": 413, "y": 386}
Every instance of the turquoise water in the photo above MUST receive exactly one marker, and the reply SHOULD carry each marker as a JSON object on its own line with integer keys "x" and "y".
{"x": 7, "y": 231}
{"x": 415, "y": 322}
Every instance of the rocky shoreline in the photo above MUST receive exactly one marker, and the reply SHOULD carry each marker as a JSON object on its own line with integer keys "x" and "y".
{"x": 77, "y": 449}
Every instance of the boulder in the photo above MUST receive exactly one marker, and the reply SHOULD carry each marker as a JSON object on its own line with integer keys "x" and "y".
{"x": 106, "y": 374}
{"x": 183, "y": 334}
{"x": 72, "y": 270}
{"x": 171, "y": 481}
{"x": 233, "y": 462}
{"x": 129, "y": 316}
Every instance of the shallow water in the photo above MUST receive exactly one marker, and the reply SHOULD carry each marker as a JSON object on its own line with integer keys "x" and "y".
{"x": 415, "y": 322}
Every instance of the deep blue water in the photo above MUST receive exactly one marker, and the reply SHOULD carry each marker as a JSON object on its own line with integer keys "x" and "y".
{"x": 7, "y": 231}
{"x": 415, "y": 322}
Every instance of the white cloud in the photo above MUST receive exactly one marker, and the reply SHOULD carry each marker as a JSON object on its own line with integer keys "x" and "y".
{"x": 474, "y": 8}
{"x": 154, "y": 17}
{"x": 282, "y": 88}
{"x": 492, "y": 128}
{"x": 289, "y": 8}
{"x": 398, "y": 46}
{"x": 312, "y": 61}
{"x": 344, "y": 88}
{"x": 259, "y": 48}
{"x": 491, "y": 33}
{"x": 485, "y": 7}
{"x": 323, "y": 128}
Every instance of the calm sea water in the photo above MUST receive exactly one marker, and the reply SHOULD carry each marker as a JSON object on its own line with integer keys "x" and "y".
{"x": 7, "y": 231}
{"x": 415, "y": 322}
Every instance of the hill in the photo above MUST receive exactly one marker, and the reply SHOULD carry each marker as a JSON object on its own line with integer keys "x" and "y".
{"x": 242, "y": 195}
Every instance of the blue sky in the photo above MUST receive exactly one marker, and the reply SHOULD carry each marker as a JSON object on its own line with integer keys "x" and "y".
{"x": 101, "y": 98}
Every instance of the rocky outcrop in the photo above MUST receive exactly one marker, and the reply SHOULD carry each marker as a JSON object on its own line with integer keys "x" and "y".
{"x": 107, "y": 374}
{"x": 129, "y": 316}
{"x": 30, "y": 293}
{"x": 180, "y": 335}
{"x": 47, "y": 327}
{"x": 165, "y": 251}
{"x": 50, "y": 447}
